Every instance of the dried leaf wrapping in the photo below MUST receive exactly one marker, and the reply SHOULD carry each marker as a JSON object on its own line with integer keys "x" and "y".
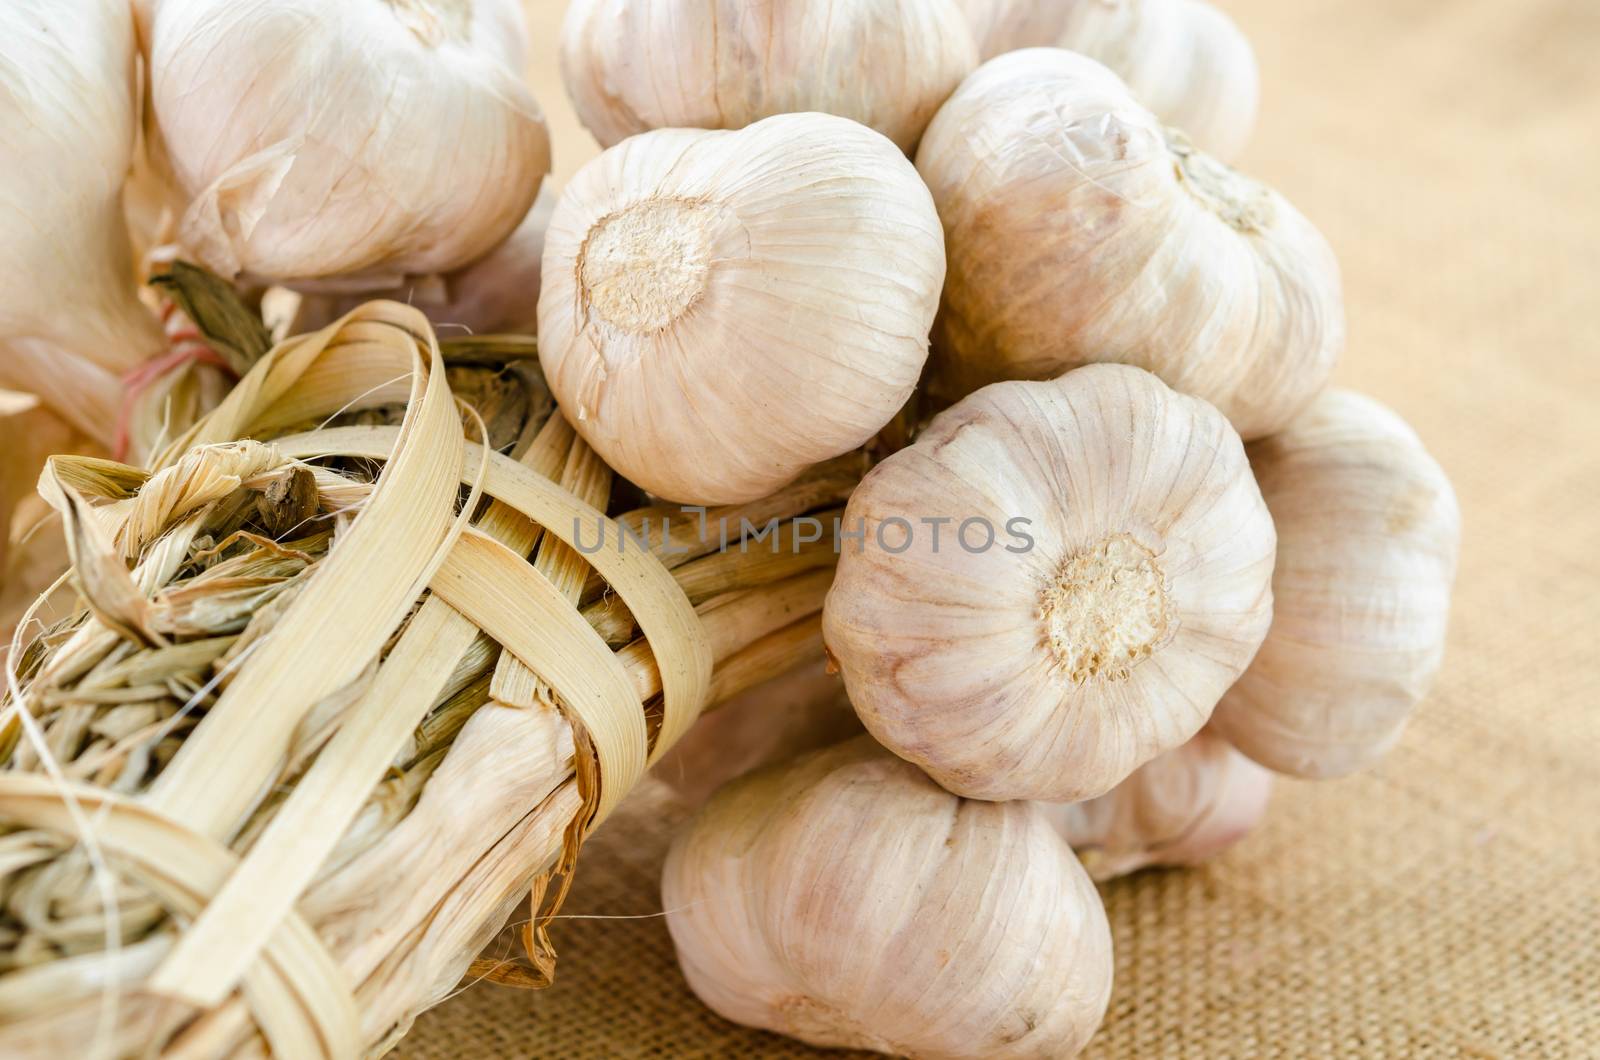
{"x": 291, "y": 665}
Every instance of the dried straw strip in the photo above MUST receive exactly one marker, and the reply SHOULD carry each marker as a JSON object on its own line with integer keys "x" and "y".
{"x": 515, "y": 683}
{"x": 588, "y": 478}
{"x": 291, "y": 666}
{"x": 772, "y": 561}
{"x": 517, "y": 606}
{"x": 408, "y": 955}
{"x": 297, "y": 993}
{"x": 217, "y": 950}
{"x": 308, "y": 826}
{"x": 364, "y": 349}
{"x": 260, "y": 895}
{"x": 349, "y": 608}
{"x": 190, "y": 974}
{"x": 658, "y": 605}
{"x": 386, "y": 960}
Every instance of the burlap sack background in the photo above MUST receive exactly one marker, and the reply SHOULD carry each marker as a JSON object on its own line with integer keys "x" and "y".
{"x": 1448, "y": 904}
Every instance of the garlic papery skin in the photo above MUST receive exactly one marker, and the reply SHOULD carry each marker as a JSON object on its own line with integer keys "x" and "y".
{"x": 721, "y": 310}
{"x": 1368, "y": 533}
{"x": 1126, "y": 585}
{"x": 498, "y": 293}
{"x": 364, "y": 140}
{"x": 846, "y": 900}
{"x": 635, "y": 65}
{"x": 1079, "y": 229}
{"x": 71, "y": 321}
{"x": 1185, "y": 59}
{"x": 1181, "y": 808}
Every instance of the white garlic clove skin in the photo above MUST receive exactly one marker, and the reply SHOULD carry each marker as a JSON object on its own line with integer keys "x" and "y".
{"x": 1181, "y": 808}
{"x": 722, "y": 310}
{"x": 1368, "y": 537}
{"x": 1185, "y": 59}
{"x": 70, "y": 317}
{"x": 364, "y": 138}
{"x": 1082, "y": 643}
{"x": 635, "y": 65}
{"x": 1081, "y": 229}
{"x": 498, "y": 293}
{"x": 846, "y": 900}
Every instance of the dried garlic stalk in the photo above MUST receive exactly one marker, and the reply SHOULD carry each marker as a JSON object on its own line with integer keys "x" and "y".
{"x": 151, "y": 703}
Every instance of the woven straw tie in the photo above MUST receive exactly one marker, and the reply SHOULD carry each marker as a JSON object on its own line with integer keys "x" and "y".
{"x": 246, "y": 954}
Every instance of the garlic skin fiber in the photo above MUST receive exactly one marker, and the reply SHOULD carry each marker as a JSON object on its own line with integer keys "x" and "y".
{"x": 1369, "y": 532}
{"x": 635, "y": 65}
{"x": 1080, "y": 229}
{"x": 845, "y": 900}
{"x": 1181, "y": 808}
{"x": 721, "y": 310}
{"x": 71, "y": 322}
{"x": 365, "y": 139}
{"x": 1052, "y": 667}
{"x": 1185, "y": 59}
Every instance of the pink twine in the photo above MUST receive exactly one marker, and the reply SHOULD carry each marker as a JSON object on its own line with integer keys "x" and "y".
{"x": 188, "y": 347}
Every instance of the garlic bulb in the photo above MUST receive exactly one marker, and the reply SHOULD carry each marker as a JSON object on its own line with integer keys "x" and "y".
{"x": 70, "y": 317}
{"x": 365, "y": 139}
{"x": 1368, "y": 532}
{"x": 497, "y": 293}
{"x": 1181, "y": 808}
{"x": 845, "y": 900}
{"x": 635, "y": 65}
{"x": 1184, "y": 59}
{"x": 1101, "y": 576}
{"x": 721, "y": 310}
{"x": 1080, "y": 229}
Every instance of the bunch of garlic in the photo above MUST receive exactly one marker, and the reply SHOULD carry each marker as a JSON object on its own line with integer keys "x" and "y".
{"x": 846, "y": 900}
{"x": 1368, "y": 534}
{"x": 1079, "y": 228}
{"x": 497, "y": 293}
{"x": 1184, "y": 59}
{"x": 722, "y": 64}
{"x": 71, "y": 322}
{"x": 354, "y": 142}
{"x": 1180, "y": 808}
{"x": 1056, "y": 583}
{"x": 721, "y": 310}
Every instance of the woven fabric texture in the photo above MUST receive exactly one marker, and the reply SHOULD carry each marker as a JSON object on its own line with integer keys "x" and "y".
{"x": 1448, "y": 903}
